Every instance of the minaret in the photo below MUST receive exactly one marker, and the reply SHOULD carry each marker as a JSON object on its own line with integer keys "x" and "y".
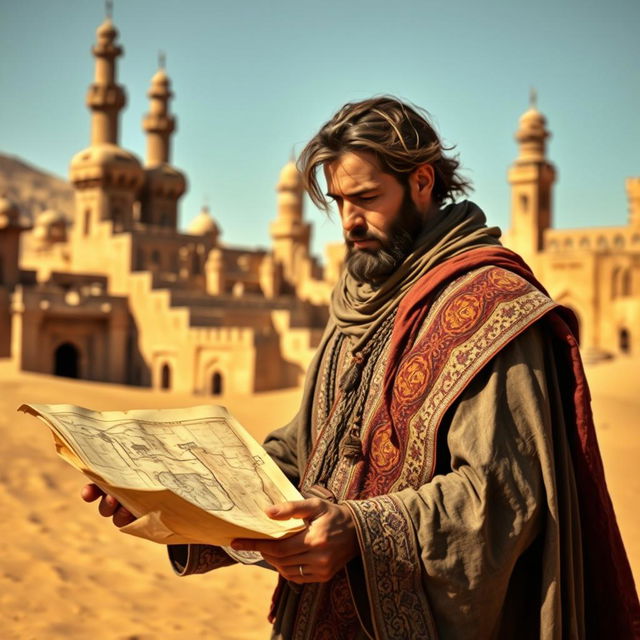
{"x": 289, "y": 232}
{"x": 106, "y": 177}
{"x": 158, "y": 123}
{"x": 164, "y": 184}
{"x": 105, "y": 97}
{"x": 531, "y": 178}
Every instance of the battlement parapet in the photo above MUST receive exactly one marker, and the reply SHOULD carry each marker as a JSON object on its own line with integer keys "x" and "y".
{"x": 595, "y": 240}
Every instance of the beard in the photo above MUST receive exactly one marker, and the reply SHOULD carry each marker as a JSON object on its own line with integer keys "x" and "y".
{"x": 373, "y": 266}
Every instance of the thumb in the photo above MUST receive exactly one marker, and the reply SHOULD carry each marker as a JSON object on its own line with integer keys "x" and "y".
{"x": 304, "y": 509}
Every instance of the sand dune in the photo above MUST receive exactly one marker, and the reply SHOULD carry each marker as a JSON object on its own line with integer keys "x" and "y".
{"x": 68, "y": 573}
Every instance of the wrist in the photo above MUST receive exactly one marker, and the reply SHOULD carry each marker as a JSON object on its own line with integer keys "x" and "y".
{"x": 349, "y": 524}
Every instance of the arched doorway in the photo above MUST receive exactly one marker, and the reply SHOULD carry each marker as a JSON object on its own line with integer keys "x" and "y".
{"x": 165, "y": 377}
{"x": 65, "y": 361}
{"x": 625, "y": 341}
{"x": 216, "y": 384}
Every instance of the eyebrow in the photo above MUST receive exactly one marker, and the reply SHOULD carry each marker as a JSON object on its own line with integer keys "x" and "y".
{"x": 359, "y": 192}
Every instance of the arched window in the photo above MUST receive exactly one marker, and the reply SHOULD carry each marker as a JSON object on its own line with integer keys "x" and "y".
{"x": 216, "y": 384}
{"x": 602, "y": 243}
{"x": 165, "y": 377}
{"x": 87, "y": 222}
{"x": 65, "y": 361}
{"x": 615, "y": 283}
{"x": 118, "y": 219}
{"x": 524, "y": 202}
{"x": 625, "y": 289}
{"x": 618, "y": 242}
{"x": 625, "y": 341}
{"x": 584, "y": 243}
{"x": 195, "y": 263}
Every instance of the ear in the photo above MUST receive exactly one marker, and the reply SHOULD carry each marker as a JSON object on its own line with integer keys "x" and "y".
{"x": 421, "y": 182}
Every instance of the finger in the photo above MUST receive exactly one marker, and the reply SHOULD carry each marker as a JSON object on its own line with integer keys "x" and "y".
{"x": 108, "y": 506}
{"x": 122, "y": 517}
{"x": 274, "y": 548}
{"x": 293, "y": 574}
{"x": 306, "y": 509}
{"x": 290, "y": 561}
{"x": 91, "y": 492}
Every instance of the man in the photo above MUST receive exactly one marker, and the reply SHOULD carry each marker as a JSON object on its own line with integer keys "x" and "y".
{"x": 444, "y": 439}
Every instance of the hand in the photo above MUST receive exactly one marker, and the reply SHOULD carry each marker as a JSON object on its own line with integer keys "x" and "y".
{"x": 315, "y": 554}
{"x": 108, "y": 506}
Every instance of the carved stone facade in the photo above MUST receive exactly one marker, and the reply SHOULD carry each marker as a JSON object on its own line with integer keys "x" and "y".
{"x": 123, "y": 296}
{"x": 595, "y": 271}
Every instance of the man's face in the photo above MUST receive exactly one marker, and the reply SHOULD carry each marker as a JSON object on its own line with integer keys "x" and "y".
{"x": 380, "y": 221}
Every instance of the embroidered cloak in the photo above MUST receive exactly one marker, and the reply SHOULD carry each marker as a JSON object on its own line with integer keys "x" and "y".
{"x": 477, "y": 446}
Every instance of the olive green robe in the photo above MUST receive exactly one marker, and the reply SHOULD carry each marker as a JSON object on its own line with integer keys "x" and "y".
{"x": 497, "y": 527}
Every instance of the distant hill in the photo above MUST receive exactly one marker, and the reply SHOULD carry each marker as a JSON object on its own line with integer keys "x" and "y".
{"x": 34, "y": 189}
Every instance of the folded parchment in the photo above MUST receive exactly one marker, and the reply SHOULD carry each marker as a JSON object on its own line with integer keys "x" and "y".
{"x": 189, "y": 475}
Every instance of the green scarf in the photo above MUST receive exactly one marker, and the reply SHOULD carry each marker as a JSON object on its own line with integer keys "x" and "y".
{"x": 357, "y": 308}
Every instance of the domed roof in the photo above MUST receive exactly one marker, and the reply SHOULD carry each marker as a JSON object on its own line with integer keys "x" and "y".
{"x": 105, "y": 154}
{"x": 164, "y": 170}
{"x": 9, "y": 212}
{"x": 532, "y": 117}
{"x": 107, "y": 30}
{"x": 532, "y": 127}
{"x": 203, "y": 224}
{"x": 160, "y": 77}
{"x": 289, "y": 177}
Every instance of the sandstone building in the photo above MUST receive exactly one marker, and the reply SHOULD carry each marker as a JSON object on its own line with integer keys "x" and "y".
{"x": 595, "y": 271}
{"x": 122, "y": 296}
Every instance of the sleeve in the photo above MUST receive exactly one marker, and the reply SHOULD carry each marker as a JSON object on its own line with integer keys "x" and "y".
{"x": 188, "y": 559}
{"x": 443, "y": 554}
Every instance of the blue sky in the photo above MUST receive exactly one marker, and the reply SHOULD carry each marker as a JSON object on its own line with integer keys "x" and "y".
{"x": 255, "y": 79}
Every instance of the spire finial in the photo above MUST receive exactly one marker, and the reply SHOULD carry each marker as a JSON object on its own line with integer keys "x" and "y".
{"x": 533, "y": 98}
{"x": 109, "y": 8}
{"x": 162, "y": 60}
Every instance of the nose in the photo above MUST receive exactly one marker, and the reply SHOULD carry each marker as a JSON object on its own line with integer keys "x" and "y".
{"x": 352, "y": 217}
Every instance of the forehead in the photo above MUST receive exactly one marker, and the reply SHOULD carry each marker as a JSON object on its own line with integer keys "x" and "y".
{"x": 354, "y": 171}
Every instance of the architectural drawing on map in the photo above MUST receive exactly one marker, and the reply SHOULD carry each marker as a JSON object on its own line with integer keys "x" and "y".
{"x": 204, "y": 461}
{"x": 207, "y": 493}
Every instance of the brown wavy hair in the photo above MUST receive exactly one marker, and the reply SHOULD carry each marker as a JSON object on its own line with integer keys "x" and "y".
{"x": 398, "y": 134}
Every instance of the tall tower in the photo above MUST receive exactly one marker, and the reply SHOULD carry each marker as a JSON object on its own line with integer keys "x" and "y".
{"x": 106, "y": 177}
{"x": 289, "y": 232}
{"x": 105, "y": 97}
{"x": 164, "y": 184}
{"x": 531, "y": 177}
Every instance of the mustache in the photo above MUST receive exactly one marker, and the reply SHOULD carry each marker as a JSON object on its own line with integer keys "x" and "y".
{"x": 359, "y": 234}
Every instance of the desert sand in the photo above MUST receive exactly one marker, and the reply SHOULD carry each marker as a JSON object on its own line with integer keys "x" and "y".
{"x": 66, "y": 572}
